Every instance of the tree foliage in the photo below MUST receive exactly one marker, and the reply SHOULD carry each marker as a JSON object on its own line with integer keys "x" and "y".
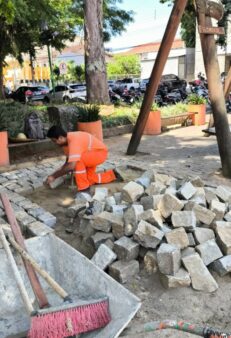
{"x": 75, "y": 73}
{"x": 115, "y": 19}
{"x": 124, "y": 65}
{"x": 188, "y": 22}
{"x": 27, "y": 24}
{"x": 222, "y": 40}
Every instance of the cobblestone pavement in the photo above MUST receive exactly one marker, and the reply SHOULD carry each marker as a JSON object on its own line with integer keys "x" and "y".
{"x": 180, "y": 152}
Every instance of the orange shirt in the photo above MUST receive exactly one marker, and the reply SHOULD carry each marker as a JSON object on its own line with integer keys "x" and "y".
{"x": 80, "y": 142}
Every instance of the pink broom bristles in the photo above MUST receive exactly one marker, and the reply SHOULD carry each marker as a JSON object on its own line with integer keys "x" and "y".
{"x": 69, "y": 322}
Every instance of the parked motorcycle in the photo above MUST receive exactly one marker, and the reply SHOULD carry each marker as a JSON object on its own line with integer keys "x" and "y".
{"x": 228, "y": 103}
{"x": 114, "y": 98}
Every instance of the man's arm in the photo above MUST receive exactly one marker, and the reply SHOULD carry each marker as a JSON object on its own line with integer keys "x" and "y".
{"x": 66, "y": 168}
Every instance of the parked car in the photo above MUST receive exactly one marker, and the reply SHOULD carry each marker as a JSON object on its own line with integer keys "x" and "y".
{"x": 66, "y": 93}
{"x": 110, "y": 83}
{"x": 79, "y": 88}
{"x": 173, "y": 82}
{"x": 143, "y": 85}
{"x": 30, "y": 93}
{"x": 7, "y": 92}
{"x": 128, "y": 83}
{"x": 170, "y": 81}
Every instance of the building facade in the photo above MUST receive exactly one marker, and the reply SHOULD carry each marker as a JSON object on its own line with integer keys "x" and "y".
{"x": 181, "y": 60}
{"x": 39, "y": 72}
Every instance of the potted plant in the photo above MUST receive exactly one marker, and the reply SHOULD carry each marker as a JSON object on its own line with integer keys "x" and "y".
{"x": 153, "y": 124}
{"x": 4, "y": 151}
{"x": 197, "y": 104}
{"x": 89, "y": 120}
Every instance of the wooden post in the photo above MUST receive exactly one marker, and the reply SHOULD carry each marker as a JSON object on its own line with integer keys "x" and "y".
{"x": 227, "y": 86}
{"x": 227, "y": 90}
{"x": 170, "y": 32}
{"x": 215, "y": 89}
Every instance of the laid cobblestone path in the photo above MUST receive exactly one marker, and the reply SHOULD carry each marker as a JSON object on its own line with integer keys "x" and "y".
{"x": 180, "y": 152}
{"x": 183, "y": 152}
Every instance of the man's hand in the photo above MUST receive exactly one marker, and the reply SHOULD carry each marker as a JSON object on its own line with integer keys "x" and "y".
{"x": 50, "y": 179}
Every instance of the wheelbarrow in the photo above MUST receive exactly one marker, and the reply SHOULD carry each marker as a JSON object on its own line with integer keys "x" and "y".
{"x": 77, "y": 275}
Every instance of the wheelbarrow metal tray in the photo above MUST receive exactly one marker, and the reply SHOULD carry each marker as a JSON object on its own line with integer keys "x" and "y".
{"x": 76, "y": 274}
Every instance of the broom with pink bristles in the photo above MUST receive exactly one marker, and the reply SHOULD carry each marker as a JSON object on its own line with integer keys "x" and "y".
{"x": 62, "y": 321}
{"x": 68, "y": 320}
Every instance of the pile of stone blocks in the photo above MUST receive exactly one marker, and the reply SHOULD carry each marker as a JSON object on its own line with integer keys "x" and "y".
{"x": 180, "y": 228}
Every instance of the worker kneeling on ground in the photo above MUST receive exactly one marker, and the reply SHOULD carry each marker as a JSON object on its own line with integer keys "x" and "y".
{"x": 84, "y": 152}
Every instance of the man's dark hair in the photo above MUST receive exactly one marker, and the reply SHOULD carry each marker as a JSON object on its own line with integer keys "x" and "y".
{"x": 56, "y": 132}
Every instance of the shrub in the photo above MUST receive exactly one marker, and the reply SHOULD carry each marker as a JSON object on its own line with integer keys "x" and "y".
{"x": 195, "y": 99}
{"x": 173, "y": 110}
{"x": 12, "y": 116}
{"x": 88, "y": 113}
{"x": 120, "y": 117}
{"x": 155, "y": 107}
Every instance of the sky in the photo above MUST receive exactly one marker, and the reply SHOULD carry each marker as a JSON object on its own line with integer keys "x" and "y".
{"x": 149, "y": 24}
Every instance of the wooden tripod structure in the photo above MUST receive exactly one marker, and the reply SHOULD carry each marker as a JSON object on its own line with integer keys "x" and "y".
{"x": 227, "y": 86}
{"x": 205, "y": 9}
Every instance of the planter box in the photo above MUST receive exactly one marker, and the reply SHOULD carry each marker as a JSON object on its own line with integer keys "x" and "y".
{"x": 182, "y": 119}
{"x": 153, "y": 124}
{"x": 200, "y": 118}
{"x": 4, "y": 151}
{"x": 94, "y": 128}
{"x": 119, "y": 130}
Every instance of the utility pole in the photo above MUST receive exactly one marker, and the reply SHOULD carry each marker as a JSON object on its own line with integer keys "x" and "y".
{"x": 51, "y": 68}
{"x": 162, "y": 56}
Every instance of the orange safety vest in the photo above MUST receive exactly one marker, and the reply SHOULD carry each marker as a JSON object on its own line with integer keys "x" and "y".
{"x": 79, "y": 142}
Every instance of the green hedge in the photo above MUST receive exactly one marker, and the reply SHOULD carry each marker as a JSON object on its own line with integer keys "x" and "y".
{"x": 120, "y": 117}
{"x": 173, "y": 110}
{"x": 12, "y": 116}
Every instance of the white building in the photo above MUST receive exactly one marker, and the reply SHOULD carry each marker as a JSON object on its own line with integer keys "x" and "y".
{"x": 180, "y": 62}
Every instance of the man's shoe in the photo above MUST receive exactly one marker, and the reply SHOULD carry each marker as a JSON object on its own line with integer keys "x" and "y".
{"x": 90, "y": 210}
{"x": 118, "y": 175}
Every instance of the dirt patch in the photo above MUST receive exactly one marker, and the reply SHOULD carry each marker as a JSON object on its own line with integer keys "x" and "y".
{"x": 50, "y": 200}
{"x": 157, "y": 303}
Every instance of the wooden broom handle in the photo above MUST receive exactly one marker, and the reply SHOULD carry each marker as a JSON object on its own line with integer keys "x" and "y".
{"x": 17, "y": 275}
{"x": 61, "y": 292}
{"x": 36, "y": 286}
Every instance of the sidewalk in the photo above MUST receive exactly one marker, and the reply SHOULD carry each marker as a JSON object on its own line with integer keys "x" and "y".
{"x": 180, "y": 152}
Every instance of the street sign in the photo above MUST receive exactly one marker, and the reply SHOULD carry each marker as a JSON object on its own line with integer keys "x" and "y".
{"x": 211, "y": 30}
{"x": 63, "y": 68}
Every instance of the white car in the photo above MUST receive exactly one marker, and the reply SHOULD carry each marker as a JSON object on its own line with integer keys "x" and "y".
{"x": 66, "y": 93}
{"x": 143, "y": 85}
{"x": 129, "y": 83}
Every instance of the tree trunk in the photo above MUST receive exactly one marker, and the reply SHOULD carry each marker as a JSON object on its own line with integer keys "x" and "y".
{"x": 227, "y": 86}
{"x": 2, "y": 92}
{"x": 217, "y": 96}
{"x": 95, "y": 66}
